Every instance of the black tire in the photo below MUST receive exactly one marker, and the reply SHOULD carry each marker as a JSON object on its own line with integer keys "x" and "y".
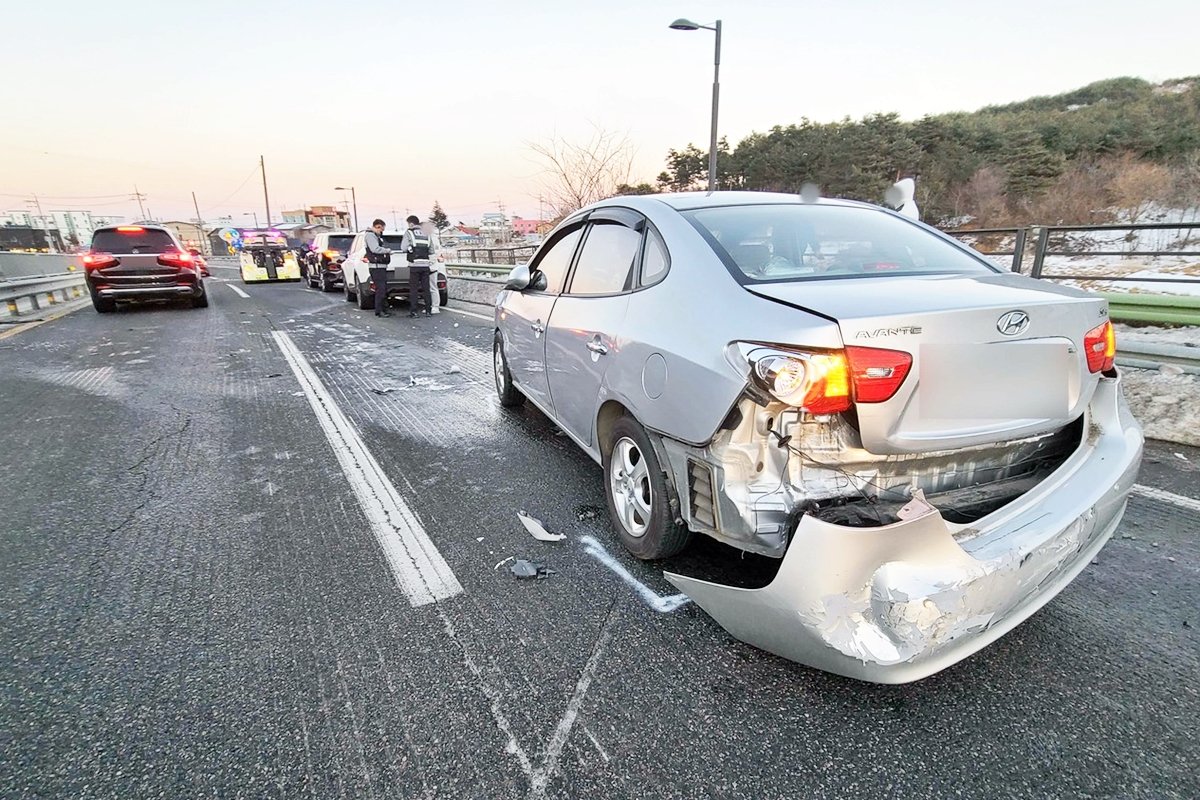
{"x": 201, "y": 301}
{"x": 660, "y": 534}
{"x": 443, "y": 297}
{"x": 510, "y": 396}
{"x": 103, "y": 305}
{"x": 366, "y": 300}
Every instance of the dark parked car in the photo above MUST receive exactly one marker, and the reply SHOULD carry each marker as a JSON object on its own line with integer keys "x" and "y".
{"x": 141, "y": 262}
{"x": 323, "y": 262}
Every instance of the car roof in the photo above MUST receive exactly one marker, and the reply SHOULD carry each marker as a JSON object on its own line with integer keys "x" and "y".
{"x": 686, "y": 201}
{"x": 146, "y": 227}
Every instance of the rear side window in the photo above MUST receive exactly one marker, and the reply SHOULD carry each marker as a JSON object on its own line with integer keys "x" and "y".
{"x": 132, "y": 241}
{"x": 609, "y": 253}
{"x": 655, "y": 260}
{"x": 341, "y": 242}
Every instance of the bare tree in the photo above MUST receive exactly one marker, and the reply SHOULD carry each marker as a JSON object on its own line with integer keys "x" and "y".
{"x": 575, "y": 174}
{"x": 1137, "y": 185}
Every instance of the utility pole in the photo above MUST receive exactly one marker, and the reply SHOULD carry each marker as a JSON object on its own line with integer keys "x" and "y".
{"x": 395, "y": 226}
{"x": 266, "y": 200}
{"x": 200, "y": 227}
{"x": 139, "y": 197}
{"x": 45, "y": 223}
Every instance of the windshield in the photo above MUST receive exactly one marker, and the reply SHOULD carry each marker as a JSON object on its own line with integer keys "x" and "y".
{"x": 777, "y": 242}
{"x": 132, "y": 240}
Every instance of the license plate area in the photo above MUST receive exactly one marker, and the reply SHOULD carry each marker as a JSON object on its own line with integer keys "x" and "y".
{"x": 1002, "y": 380}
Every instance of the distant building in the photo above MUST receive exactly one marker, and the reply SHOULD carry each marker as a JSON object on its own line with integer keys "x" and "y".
{"x": 495, "y": 228}
{"x": 331, "y": 216}
{"x": 24, "y": 238}
{"x": 189, "y": 233}
{"x": 530, "y": 227}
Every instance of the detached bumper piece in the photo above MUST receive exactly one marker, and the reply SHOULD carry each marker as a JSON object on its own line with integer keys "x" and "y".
{"x": 897, "y": 603}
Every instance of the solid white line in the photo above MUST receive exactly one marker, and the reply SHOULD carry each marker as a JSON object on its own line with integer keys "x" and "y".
{"x": 539, "y": 780}
{"x": 663, "y": 605}
{"x": 1167, "y": 497}
{"x": 238, "y": 290}
{"x": 420, "y": 571}
{"x": 468, "y": 313}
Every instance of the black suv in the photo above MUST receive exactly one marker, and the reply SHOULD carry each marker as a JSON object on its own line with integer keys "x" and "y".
{"x": 141, "y": 262}
{"x": 323, "y": 264}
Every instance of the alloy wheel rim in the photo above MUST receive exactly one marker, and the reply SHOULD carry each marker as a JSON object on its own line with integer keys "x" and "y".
{"x": 629, "y": 485}
{"x": 498, "y": 369}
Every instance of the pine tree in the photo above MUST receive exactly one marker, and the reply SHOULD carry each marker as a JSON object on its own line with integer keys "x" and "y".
{"x": 438, "y": 217}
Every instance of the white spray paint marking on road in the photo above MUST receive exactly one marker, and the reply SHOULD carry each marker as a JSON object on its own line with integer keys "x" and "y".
{"x": 663, "y": 605}
{"x": 238, "y": 290}
{"x": 539, "y": 780}
{"x": 1167, "y": 497}
{"x": 419, "y": 569}
{"x": 468, "y": 314}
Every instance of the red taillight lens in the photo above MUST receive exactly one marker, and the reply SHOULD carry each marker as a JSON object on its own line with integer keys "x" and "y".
{"x": 95, "y": 261}
{"x": 177, "y": 260}
{"x": 1100, "y": 347}
{"x": 876, "y": 374}
{"x": 332, "y": 255}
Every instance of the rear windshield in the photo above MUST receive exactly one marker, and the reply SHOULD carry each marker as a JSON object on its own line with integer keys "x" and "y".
{"x": 392, "y": 241}
{"x": 341, "y": 242}
{"x": 139, "y": 240}
{"x": 775, "y": 243}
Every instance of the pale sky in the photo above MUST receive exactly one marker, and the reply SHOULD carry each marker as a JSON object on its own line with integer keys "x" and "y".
{"x": 412, "y": 102}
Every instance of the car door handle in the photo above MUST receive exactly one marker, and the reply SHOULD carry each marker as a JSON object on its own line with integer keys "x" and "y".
{"x": 598, "y": 347}
{"x": 538, "y": 327}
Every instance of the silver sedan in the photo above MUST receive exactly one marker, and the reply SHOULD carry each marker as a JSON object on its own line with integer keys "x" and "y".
{"x": 932, "y": 446}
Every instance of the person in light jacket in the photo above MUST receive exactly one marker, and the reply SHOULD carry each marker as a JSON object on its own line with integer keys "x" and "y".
{"x": 378, "y": 257}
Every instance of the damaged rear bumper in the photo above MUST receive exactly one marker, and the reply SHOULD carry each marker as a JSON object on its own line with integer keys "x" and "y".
{"x": 897, "y": 603}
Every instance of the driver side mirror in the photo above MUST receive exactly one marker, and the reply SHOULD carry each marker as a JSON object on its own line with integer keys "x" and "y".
{"x": 518, "y": 279}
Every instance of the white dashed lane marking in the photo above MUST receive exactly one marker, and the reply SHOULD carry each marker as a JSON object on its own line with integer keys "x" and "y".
{"x": 239, "y": 291}
{"x": 1167, "y": 497}
{"x": 467, "y": 313}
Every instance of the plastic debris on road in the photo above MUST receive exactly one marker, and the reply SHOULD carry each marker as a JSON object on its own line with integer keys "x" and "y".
{"x": 536, "y": 529}
{"x": 454, "y": 370}
{"x": 530, "y": 569}
{"x": 387, "y": 390}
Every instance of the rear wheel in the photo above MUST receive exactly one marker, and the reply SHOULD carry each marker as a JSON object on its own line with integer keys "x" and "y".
{"x": 201, "y": 301}
{"x": 443, "y": 297}
{"x": 366, "y": 300}
{"x": 638, "y": 496}
{"x": 510, "y": 396}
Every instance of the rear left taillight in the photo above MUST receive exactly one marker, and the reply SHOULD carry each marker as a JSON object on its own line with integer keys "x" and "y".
{"x": 95, "y": 261}
{"x": 178, "y": 260}
{"x": 1100, "y": 347}
{"x": 818, "y": 383}
{"x": 876, "y": 374}
{"x": 332, "y": 255}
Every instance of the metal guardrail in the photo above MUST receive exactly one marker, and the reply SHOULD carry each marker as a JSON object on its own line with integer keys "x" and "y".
{"x": 30, "y": 283}
{"x": 1152, "y": 355}
{"x": 1141, "y": 307}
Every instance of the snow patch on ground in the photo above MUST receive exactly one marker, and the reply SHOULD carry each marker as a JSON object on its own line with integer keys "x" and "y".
{"x": 1168, "y": 406}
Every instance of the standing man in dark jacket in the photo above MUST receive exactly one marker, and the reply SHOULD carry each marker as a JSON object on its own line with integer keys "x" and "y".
{"x": 378, "y": 257}
{"x": 419, "y": 249}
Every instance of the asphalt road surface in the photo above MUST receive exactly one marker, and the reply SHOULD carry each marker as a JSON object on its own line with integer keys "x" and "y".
{"x": 196, "y": 604}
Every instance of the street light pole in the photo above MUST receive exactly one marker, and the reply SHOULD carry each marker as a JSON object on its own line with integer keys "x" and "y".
{"x": 688, "y": 25}
{"x": 353, "y": 200}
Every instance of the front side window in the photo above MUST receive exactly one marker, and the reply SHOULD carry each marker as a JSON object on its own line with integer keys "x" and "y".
{"x": 791, "y": 242}
{"x": 607, "y": 260}
{"x": 554, "y": 260}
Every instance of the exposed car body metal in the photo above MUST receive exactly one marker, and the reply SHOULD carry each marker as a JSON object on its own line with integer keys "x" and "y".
{"x": 914, "y": 529}
{"x": 900, "y": 602}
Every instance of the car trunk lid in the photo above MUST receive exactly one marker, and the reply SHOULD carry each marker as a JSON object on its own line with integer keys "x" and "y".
{"x": 994, "y": 357}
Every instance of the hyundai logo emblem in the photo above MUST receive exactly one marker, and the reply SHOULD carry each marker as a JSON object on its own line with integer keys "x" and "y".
{"x": 1014, "y": 323}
